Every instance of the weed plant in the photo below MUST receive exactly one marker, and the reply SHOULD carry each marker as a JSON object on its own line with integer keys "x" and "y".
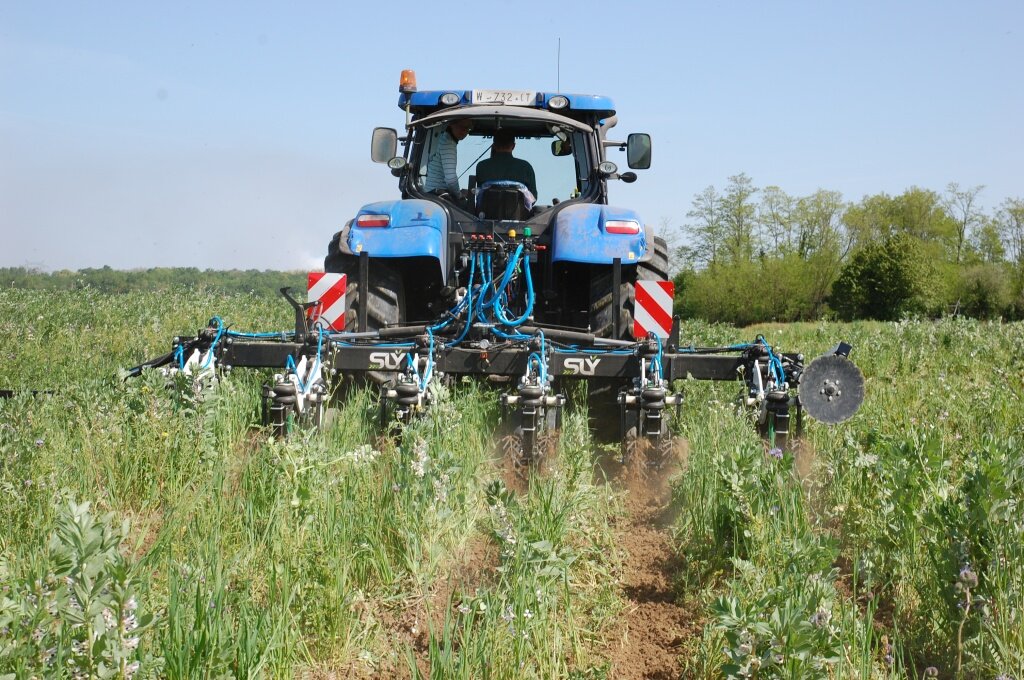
{"x": 888, "y": 546}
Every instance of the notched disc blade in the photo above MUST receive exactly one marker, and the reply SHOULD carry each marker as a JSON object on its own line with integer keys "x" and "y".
{"x": 831, "y": 389}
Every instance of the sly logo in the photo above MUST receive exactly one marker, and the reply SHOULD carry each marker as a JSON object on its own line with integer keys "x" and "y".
{"x": 386, "y": 361}
{"x": 582, "y": 365}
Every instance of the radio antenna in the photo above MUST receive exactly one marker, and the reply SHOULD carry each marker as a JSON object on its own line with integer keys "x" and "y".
{"x": 558, "y": 67}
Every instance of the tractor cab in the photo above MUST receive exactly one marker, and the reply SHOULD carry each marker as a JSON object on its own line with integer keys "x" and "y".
{"x": 562, "y": 137}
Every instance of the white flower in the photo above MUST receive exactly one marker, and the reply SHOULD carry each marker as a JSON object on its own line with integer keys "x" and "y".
{"x": 420, "y": 459}
{"x": 108, "y": 619}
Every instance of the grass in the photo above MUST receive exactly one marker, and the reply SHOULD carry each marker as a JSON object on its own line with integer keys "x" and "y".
{"x": 148, "y": 532}
{"x": 330, "y": 553}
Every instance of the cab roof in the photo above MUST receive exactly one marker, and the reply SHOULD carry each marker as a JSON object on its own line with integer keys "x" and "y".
{"x": 519, "y": 115}
{"x": 590, "y": 107}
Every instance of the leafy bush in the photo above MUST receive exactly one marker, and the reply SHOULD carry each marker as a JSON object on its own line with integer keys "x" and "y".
{"x": 885, "y": 280}
{"x": 787, "y": 288}
{"x": 983, "y": 291}
{"x": 79, "y": 610}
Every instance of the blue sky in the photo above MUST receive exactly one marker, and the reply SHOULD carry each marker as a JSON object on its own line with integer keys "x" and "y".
{"x": 236, "y": 135}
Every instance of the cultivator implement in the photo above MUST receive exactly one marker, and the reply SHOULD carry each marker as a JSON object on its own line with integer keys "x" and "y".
{"x": 485, "y": 334}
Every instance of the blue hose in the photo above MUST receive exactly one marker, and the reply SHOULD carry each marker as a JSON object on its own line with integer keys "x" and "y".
{"x": 774, "y": 363}
{"x": 216, "y": 339}
{"x": 530, "y": 297}
{"x": 469, "y": 297}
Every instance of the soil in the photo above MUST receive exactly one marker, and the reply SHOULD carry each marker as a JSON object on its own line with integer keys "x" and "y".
{"x": 410, "y": 625}
{"x": 474, "y": 569}
{"x": 655, "y": 625}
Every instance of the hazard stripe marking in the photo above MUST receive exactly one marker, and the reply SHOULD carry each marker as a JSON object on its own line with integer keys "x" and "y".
{"x": 653, "y": 308}
{"x": 329, "y": 290}
{"x": 319, "y": 283}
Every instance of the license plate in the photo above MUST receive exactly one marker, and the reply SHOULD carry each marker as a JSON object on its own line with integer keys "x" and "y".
{"x": 508, "y": 97}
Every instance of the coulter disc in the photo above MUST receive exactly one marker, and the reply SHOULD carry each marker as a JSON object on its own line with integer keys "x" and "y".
{"x": 831, "y": 389}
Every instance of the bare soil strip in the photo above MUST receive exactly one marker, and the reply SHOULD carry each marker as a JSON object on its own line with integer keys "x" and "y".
{"x": 654, "y": 625}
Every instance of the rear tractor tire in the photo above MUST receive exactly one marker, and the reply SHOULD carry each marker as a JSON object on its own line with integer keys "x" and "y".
{"x": 602, "y": 393}
{"x": 384, "y": 298}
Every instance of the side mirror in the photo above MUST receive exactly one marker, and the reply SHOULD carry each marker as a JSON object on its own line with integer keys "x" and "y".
{"x": 638, "y": 151}
{"x": 384, "y": 145}
{"x": 561, "y": 147}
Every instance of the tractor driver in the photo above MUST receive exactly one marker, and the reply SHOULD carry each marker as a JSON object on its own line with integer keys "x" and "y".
{"x": 442, "y": 175}
{"x": 502, "y": 165}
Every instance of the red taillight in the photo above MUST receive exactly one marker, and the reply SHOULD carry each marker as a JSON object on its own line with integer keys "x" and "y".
{"x": 622, "y": 227}
{"x": 373, "y": 220}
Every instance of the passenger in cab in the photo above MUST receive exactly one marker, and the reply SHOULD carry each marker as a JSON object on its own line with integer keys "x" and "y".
{"x": 503, "y": 166}
{"x": 442, "y": 174}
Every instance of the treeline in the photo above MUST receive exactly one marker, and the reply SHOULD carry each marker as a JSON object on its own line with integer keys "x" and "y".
{"x": 107, "y": 280}
{"x": 749, "y": 254}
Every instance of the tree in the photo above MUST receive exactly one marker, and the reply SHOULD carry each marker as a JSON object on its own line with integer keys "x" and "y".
{"x": 885, "y": 280}
{"x": 921, "y": 213}
{"x": 818, "y": 223}
{"x": 739, "y": 218}
{"x": 870, "y": 220}
{"x": 983, "y": 291}
{"x": 988, "y": 242}
{"x": 1010, "y": 221}
{"x": 680, "y": 255}
{"x": 821, "y": 244}
{"x": 962, "y": 206}
{"x": 706, "y": 227}
{"x": 775, "y": 215}
{"x": 917, "y": 212}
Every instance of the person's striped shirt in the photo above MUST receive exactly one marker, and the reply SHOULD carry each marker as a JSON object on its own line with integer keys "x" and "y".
{"x": 441, "y": 170}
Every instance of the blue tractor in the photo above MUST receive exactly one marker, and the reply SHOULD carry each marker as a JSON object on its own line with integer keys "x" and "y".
{"x": 422, "y": 247}
{"x": 503, "y": 260}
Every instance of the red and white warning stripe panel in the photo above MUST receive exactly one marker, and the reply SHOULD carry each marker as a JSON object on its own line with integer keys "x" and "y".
{"x": 652, "y": 312}
{"x": 329, "y": 291}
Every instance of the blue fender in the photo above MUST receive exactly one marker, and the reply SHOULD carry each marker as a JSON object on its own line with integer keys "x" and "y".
{"x": 580, "y": 235}
{"x": 416, "y": 228}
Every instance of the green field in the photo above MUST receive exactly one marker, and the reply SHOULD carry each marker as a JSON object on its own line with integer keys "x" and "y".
{"x": 151, "y": 532}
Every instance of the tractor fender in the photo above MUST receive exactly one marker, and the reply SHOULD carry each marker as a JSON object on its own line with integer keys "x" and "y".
{"x": 339, "y": 242}
{"x": 415, "y": 228}
{"x": 579, "y": 235}
{"x": 649, "y": 236}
